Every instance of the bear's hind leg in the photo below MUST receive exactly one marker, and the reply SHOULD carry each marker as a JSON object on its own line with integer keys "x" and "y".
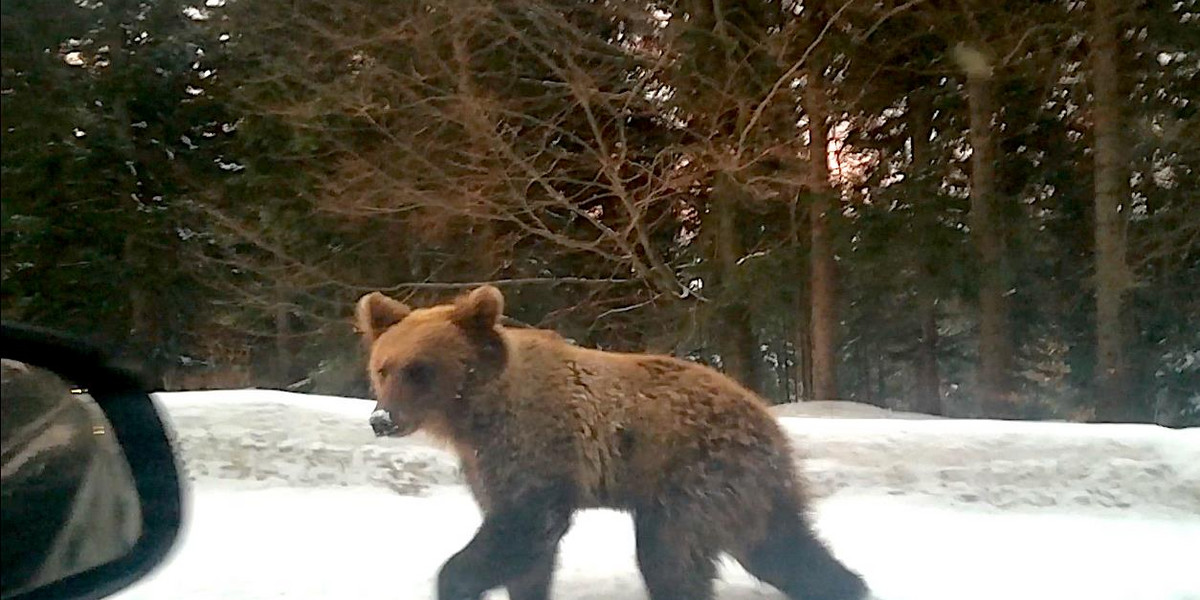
{"x": 792, "y": 559}
{"x": 675, "y": 562}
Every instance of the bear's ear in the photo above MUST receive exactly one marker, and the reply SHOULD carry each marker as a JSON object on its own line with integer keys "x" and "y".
{"x": 479, "y": 310}
{"x": 375, "y": 312}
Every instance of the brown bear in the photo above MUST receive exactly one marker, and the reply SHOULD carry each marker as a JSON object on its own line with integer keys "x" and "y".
{"x": 544, "y": 428}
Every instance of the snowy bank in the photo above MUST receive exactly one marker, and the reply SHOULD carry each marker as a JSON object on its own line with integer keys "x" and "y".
{"x": 827, "y": 409}
{"x": 1004, "y": 463}
{"x": 270, "y": 438}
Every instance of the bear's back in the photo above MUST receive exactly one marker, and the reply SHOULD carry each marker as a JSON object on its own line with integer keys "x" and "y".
{"x": 634, "y": 416}
{"x": 619, "y": 381}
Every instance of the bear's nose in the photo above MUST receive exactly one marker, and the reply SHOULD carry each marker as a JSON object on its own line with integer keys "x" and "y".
{"x": 382, "y": 424}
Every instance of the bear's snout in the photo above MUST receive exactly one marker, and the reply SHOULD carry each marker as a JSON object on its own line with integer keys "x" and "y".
{"x": 387, "y": 423}
{"x": 382, "y": 424}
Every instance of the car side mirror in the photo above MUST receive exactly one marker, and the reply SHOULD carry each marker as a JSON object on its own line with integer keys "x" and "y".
{"x": 91, "y": 496}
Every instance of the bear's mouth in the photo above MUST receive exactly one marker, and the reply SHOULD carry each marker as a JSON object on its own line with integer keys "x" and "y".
{"x": 385, "y": 425}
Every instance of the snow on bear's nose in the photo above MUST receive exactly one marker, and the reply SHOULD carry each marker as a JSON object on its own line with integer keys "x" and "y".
{"x": 381, "y": 423}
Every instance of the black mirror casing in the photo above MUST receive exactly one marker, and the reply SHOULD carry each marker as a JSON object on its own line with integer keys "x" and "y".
{"x": 143, "y": 438}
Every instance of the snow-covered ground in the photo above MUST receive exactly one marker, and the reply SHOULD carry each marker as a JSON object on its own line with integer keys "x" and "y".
{"x": 292, "y": 497}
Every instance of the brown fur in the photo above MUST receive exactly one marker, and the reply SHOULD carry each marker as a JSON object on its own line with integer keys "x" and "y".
{"x": 543, "y": 428}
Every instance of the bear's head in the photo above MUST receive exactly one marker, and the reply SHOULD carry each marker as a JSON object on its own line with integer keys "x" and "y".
{"x": 421, "y": 360}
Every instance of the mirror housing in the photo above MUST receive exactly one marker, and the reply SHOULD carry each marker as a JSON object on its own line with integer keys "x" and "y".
{"x": 142, "y": 438}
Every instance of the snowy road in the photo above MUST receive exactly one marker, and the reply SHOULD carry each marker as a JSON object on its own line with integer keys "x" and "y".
{"x": 374, "y": 544}
{"x": 293, "y": 498}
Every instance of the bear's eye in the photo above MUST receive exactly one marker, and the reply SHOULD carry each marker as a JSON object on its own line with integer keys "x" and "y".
{"x": 419, "y": 373}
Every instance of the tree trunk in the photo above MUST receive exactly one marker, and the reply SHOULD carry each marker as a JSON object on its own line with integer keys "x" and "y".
{"x": 145, "y": 342}
{"x": 823, "y": 269}
{"x": 803, "y": 347}
{"x": 927, "y": 396}
{"x": 801, "y": 323}
{"x": 995, "y": 349}
{"x": 1113, "y": 277}
{"x": 144, "y": 345}
{"x": 283, "y": 351}
{"x": 737, "y": 343}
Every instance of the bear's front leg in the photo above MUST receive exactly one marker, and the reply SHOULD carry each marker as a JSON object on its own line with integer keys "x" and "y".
{"x": 516, "y": 542}
{"x": 534, "y": 584}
